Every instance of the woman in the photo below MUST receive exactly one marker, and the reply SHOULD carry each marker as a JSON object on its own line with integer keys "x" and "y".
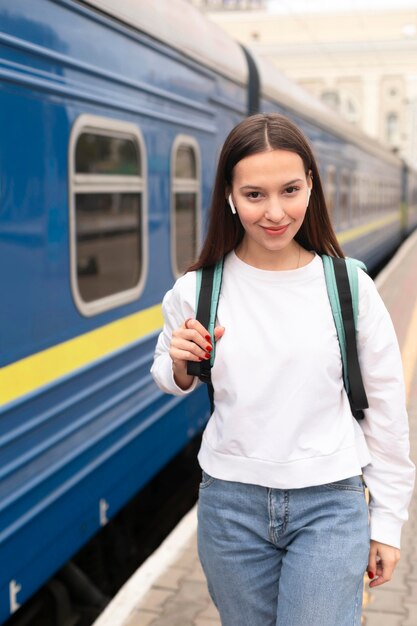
{"x": 284, "y": 535}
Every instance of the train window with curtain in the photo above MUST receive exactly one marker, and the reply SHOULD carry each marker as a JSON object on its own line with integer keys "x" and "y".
{"x": 377, "y": 206}
{"x": 108, "y": 206}
{"x": 397, "y": 196}
{"x": 344, "y": 199}
{"x": 385, "y": 196}
{"x": 383, "y": 189}
{"x": 185, "y": 202}
{"x": 363, "y": 196}
{"x": 392, "y": 197}
{"x": 371, "y": 197}
{"x": 374, "y": 208}
{"x": 355, "y": 198}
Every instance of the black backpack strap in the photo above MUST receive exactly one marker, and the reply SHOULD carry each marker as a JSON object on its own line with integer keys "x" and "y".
{"x": 202, "y": 369}
{"x": 357, "y": 396}
{"x": 208, "y": 294}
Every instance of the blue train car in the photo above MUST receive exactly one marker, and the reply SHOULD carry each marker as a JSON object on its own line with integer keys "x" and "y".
{"x": 113, "y": 115}
{"x": 110, "y": 128}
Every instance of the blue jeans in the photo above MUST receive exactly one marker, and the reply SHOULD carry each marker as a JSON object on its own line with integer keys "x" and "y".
{"x": 284, "y": 557}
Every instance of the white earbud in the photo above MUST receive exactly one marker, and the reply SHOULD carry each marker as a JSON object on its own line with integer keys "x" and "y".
{"x": 308, "y": 195}
{"x": 230, "y": 201}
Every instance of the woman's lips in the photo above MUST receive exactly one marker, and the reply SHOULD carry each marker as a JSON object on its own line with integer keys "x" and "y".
{"x": 276, "y": 231}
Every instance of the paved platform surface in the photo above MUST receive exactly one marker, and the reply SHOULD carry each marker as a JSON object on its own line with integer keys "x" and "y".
{"x": 179, "y": 596}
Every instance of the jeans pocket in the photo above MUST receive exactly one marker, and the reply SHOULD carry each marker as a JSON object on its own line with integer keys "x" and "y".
{"x": 353, "y": 483}
{"x": 206, "y": 480}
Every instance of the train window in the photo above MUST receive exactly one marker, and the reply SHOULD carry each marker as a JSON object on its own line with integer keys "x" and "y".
{"x": 375, "y": 196}
{"x": 386, "y": 197}
{"x": 344, "y": 199}
{"x": 185, "y": 163}
{"x": 330, "y": 189}
{"x": 371, "y": 195}
{"x": 355, "y": 198}
{"x": 108, "y": 204}
{"x": 100, "y": 154}
{"x": 365, "y": 197}
{"x": 185, "y": 203}
{"x": 381, "y": 199}
{"x": 375, "y": 206}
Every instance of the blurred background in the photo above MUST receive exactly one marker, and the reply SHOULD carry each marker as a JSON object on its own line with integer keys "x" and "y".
{"x": 357, "y": 56}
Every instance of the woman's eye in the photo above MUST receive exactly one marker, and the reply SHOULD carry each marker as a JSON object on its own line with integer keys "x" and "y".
{"x": 291, "y": 190}
{"x": 254, "y": 195}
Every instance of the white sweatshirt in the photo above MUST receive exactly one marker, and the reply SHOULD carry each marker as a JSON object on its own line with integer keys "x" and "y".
{"x": 282, "y": 418}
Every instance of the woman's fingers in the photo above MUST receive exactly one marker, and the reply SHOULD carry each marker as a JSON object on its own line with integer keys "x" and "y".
{"x": 190, "y": 342}
{"x": 382, "y": 562}
{"x": 190, "y": 350}
{"x": 193, "y": 330}
{"x": 218, "y": 332}
{"x": 192, "y": 324}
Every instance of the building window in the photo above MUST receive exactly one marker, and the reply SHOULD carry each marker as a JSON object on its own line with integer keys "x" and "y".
{"x": 107, "y": 182}
{"x": 350, "y": 108}
{"x": 332, "y": 99}
{"x": 185, "y": 203}
{"x": 392, "y": 128}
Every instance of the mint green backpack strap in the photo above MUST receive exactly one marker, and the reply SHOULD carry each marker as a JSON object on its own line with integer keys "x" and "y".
{"x": 336, "y": 312}
{"x": 215, "y": 294}
{"x": 352, "y": 269}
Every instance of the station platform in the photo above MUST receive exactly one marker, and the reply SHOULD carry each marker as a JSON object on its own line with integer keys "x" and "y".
{"x": 170, "y": 589}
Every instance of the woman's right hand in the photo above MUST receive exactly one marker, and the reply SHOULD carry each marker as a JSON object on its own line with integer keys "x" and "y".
{"x": 190, "y": 342}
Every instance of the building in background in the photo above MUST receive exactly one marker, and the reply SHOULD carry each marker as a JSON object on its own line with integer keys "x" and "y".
{"x": 362, "y": 62}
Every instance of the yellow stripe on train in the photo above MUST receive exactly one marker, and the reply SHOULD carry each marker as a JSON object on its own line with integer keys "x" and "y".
{"x": 360, "y": 231}
{"x": 43, "y": 368}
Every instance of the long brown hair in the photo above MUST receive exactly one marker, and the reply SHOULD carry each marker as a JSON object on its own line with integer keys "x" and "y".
{"x": 258, "y": 133}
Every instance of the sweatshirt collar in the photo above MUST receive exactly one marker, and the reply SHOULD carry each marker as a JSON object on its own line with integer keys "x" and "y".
{"x": 313, "y": 269}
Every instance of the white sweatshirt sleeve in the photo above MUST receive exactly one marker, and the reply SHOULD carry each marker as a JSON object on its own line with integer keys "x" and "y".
{"x": 391, "y": 474}
{"x": 176, "y": 308}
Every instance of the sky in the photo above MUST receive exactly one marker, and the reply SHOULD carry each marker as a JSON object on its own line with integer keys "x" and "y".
{"x": 317, "y": 6}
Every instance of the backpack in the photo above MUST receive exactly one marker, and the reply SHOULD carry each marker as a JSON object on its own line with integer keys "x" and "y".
{"x": 341, "y": 276}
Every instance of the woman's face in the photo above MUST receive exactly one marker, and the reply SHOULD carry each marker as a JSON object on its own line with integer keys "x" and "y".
{"x": 270, "y": 193}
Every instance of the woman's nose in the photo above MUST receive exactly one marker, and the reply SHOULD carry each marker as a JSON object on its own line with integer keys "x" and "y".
{"x": 274, "y": 210}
